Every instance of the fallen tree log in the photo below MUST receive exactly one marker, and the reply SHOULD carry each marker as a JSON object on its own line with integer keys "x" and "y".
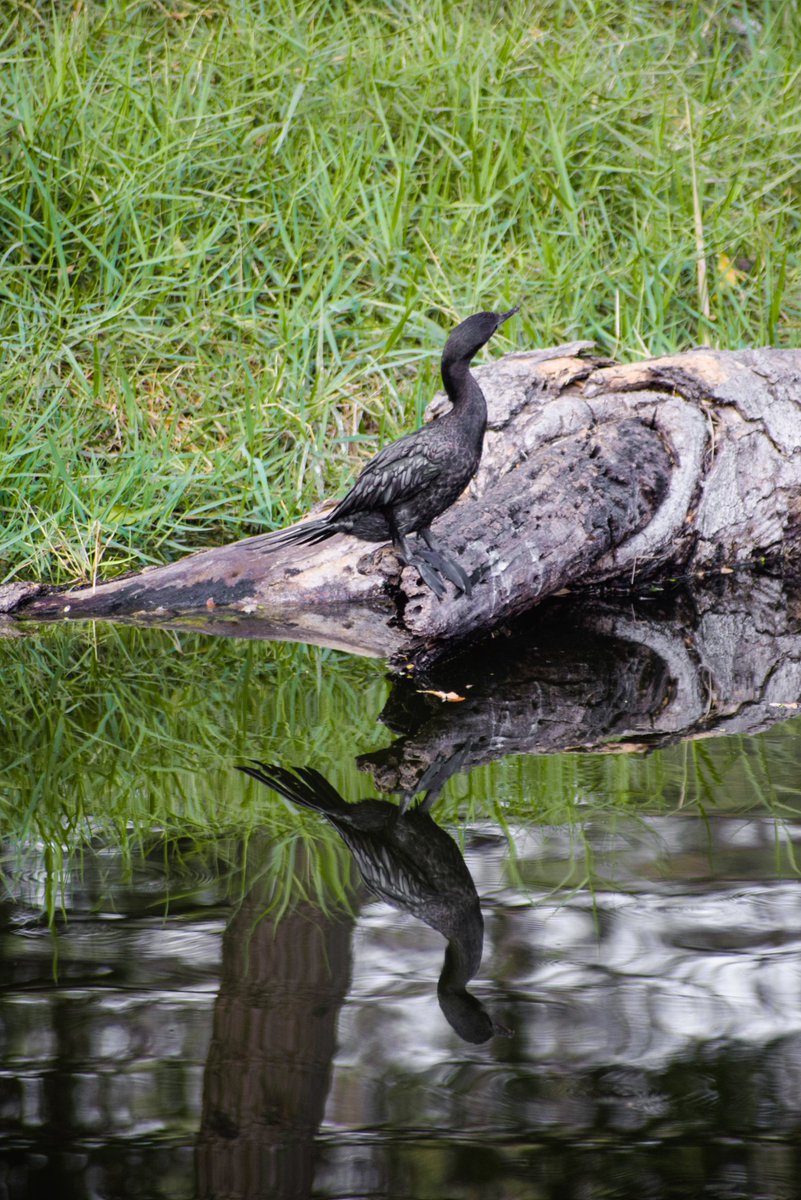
{"x": 593, "y": 473}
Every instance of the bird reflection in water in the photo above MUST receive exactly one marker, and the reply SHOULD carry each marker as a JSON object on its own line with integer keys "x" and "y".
{"x": 406, "y": 859}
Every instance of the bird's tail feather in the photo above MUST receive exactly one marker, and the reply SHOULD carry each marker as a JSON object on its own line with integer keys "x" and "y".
{"x": 307, "y": 533}
{"x": 301, "y": 785}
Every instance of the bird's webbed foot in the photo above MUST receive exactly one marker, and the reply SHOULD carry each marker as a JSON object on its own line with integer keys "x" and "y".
{"x": 430, "y": 574}
{"x": 433, "y": 780}
{"x": 426, "y": 571}
{"x": 420, "y": 560}
{"x": 447, "y": 567}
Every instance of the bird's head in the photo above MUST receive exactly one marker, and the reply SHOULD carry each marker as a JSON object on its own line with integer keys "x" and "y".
{"x": 469, "y": 1018}
{"x": 468, "y": 337}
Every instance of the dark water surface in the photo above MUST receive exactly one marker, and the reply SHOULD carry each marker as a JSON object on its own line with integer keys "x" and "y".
{"x": 211, "y": 991}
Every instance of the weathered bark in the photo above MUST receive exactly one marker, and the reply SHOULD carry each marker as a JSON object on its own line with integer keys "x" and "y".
{"x": 724, "y": 659}
{"x": 592, "y": 473}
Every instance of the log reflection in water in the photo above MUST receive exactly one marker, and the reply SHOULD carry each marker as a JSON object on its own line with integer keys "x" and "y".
{"x": 408, "y": 861}
{"x": 725, "y": 659}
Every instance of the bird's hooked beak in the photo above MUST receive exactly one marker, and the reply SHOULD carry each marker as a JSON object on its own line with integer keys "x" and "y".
{"x": 505, "y": 316}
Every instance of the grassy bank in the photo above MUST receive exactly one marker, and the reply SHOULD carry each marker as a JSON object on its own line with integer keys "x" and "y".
{"x": 232, "y": 234}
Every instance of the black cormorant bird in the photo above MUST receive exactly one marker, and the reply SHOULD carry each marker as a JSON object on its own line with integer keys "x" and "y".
{"x": 412, "y": 481}
{"x": 412, "y": 864}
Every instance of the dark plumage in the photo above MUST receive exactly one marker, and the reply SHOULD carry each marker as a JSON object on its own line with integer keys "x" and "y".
{"x": 412, "y": 864}
{"x": 412, "y": 481}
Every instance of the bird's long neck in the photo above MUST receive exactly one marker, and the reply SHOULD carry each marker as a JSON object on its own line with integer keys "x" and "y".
{"x": 464, "y": 393}
{"x": 456, "y": 376}
{"x": 464, "y": 1012}
{"x": 463, "y": 952}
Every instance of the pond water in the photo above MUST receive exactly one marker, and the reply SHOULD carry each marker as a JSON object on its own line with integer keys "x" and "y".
{"x": 577, "y": 974}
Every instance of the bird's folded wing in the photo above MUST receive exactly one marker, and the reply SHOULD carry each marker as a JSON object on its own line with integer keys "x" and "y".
{"x": 397, "y": 473}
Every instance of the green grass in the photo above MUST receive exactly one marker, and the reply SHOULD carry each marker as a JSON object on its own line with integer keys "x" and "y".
{"x": 233, "y": 234}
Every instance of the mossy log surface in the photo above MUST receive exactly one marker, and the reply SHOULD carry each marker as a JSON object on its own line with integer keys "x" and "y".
{"x": 593, "y": 473}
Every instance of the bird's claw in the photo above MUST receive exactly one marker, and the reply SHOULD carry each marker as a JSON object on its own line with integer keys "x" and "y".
{"x": 432, "y": 565}
{"x": 425, "y": 569}
{"x": 448, "y": 568}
